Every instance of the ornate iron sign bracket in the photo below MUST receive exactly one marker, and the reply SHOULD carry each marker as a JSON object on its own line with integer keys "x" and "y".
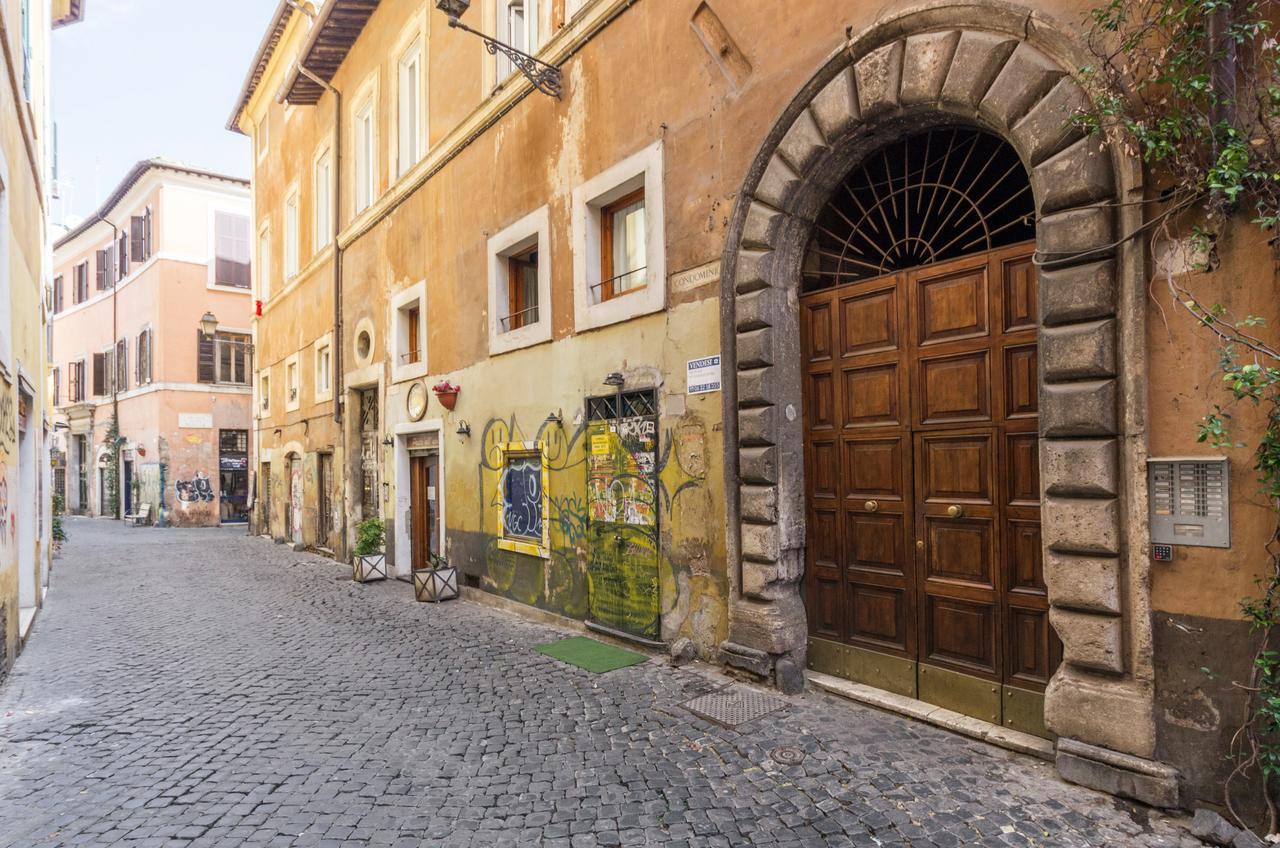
{"x": 545, "y": 78}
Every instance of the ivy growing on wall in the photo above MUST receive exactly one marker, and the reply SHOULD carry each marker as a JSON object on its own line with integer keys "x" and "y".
{"x": 1192, "y": 88}
{"x": 112, "y": 471}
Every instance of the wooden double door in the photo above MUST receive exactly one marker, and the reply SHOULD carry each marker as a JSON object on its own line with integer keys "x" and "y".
{"x": 923, "y": 558}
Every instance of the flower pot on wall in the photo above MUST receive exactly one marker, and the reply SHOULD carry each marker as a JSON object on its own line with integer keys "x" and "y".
{"x": 447, "y": 393}
{"x": 366, "y": 568}
{"x": 431, "y": 585}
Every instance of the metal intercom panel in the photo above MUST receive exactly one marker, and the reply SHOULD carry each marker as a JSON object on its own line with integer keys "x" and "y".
{"x": 1190, "y": 501}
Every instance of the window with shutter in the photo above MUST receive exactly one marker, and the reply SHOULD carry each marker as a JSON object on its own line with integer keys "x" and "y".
{"x": 122, "y": 366}
{"x": 100, "y": 266}
{"x": 122, "y": 252}
{"x": 148, "y": 240}
{"x": 57, "y": 387}
{"x": 57, "y": 294}
{"x": 151, "y": 347}
{"x": 231, "y": 250}
{"x": 99, "y": 374}
{"x": 137, "y": 244}
{"x": 206, "y": 362}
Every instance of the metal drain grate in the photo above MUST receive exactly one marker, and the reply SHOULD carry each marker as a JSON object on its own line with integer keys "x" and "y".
{"x": 733, "y": 706}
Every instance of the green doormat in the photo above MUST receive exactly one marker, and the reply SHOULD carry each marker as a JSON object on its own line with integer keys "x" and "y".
{"x": 595, "y": 657}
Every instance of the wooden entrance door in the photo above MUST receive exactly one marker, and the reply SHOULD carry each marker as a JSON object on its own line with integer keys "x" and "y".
{"x": 424, "y": 470}
{"x": 923, "y": 565}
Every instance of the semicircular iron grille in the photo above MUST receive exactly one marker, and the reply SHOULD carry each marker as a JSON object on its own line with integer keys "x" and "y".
{"x": 931, "y": 196}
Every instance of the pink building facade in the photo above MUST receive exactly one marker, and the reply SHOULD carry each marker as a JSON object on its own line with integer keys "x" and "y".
{"x": 135, "y": 289}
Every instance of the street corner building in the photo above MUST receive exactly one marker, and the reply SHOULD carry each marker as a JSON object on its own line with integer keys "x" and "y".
{"x": 26, "y": 171}
{"x": 151, "y": 353}
{"x": 809, "y": 337}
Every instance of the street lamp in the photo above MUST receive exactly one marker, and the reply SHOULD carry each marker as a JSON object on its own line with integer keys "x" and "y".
{"x": 209, "y": 325}
{"x": 545, "y": 78}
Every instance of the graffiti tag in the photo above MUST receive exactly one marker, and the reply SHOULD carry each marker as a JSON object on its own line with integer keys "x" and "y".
{"x": 194, "y": 490}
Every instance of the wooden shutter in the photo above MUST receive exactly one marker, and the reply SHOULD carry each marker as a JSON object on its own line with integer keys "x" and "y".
{"x": 57, "y": 294}
{"x": 137, "y": 238}
{"x": 122, "y": 366}
{"x": 151, "y": 353}
{"x": 205, "y": 364}
{"x": 57, "y": 386}
{"x": 122, "y": 252}
{"x": 147, "y": 244}
{"x": 100, "y": 265}
{"x": 99, "y": 374}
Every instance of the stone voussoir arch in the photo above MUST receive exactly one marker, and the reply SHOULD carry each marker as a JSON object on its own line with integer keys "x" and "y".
{"x": 1012, "y": 72}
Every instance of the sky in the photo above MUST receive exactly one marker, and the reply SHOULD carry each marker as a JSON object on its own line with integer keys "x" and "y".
{"x": 144, "y": 78}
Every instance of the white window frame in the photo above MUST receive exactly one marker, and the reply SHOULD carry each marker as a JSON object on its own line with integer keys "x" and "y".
{"x": 213, "y": 248}
{"x": 292, "y": 233}
{"x": 262, "y": 137}
{"x": 533, "y": 230}
{"x": 400, "y": 335}
{"x": 322, "y": 194}
{"x": 531, "y": 38}
{"x": 412, "y": 49}
{"x": 642, "y": 169}
{"x": 293, "y": 374}
{"x": 262, "y": 262}
{"x": 366, "y": 105}
{"x": 324, "y": 388}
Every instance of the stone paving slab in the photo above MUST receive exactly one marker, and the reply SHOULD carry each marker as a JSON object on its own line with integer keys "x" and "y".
{"x": 204, "y": 688}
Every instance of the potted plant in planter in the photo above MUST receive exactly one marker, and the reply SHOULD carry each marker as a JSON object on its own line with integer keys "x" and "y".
{"x": 447, "y": 393}
{"x": 370, "y": 561}
{"x": 437, "y": 582}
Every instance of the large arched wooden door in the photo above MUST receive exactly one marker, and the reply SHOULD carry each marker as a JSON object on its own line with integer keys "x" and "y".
{"x": 923, "y": 560}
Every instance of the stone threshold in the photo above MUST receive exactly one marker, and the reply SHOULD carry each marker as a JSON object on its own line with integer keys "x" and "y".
{"x": 983, "y": 731}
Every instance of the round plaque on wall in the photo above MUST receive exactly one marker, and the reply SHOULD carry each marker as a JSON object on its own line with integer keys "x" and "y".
{"x": 416, "y": 403}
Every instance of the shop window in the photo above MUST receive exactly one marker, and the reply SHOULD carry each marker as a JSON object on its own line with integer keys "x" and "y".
{"x": 525, "y": 500}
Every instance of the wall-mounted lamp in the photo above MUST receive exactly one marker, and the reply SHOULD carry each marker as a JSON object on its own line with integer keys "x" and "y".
{"x": 387, "y": 441}
{"x": 556, "y": 418}
{"x": 209, "y": 325}
{"x": 545, "y": 78}
{"x": 614, "y": 379}
{"x": 464, "y": 429}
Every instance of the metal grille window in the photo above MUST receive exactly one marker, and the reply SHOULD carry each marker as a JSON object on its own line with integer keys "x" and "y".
{"x": 932, "y": 196}
{"x": 1189, "y": 502}
{"x": 634, "y": 404}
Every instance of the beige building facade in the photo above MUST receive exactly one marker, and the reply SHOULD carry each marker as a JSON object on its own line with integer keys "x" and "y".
{"x": 810, "y": 338}
{"x": 152, "y": 413}
{"x": 26, "y": 151}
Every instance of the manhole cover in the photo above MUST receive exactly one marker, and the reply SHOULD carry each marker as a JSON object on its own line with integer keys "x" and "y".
{"x": 733, "y": 706}
{"x": 787, "y": 756}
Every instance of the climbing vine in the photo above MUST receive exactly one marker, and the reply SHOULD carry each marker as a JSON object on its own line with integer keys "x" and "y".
{"x": 112, "y": 471}
{"x": 1192, "y": 87}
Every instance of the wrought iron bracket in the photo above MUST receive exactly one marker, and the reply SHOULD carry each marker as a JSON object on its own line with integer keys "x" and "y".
{"x": 545, "y": 78}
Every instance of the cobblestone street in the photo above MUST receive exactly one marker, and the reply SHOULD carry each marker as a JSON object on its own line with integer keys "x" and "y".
{"x": 204, "y": 688}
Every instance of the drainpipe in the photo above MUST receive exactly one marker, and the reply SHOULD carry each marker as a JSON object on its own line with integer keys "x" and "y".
{"x": 115, "y": 389}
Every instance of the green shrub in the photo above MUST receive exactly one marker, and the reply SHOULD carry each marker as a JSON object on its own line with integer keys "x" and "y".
{"x": 369, "y": 536}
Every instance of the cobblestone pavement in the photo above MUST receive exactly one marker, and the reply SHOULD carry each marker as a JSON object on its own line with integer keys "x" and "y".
{"x": 203, "y": 688}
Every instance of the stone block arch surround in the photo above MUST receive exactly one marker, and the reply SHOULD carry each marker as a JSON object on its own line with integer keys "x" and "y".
{"x": 1010, "y": 71}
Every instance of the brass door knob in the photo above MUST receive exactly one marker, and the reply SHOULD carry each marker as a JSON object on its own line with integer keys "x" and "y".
{"x": 871, "y": 506}
{"x": 920, "y": 544}
{"x": 955, "y": 510}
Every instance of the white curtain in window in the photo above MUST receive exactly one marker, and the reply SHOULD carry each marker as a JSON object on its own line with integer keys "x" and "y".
{"x": 629, "y": 258}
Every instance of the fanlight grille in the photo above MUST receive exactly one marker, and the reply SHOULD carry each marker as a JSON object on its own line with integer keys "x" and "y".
{"x": 929, "y": 197}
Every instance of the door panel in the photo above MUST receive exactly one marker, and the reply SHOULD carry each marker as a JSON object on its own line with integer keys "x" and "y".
{"x": 923, "y": 479}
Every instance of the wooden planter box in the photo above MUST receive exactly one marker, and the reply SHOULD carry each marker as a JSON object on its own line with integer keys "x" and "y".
{"x": 431, "y": 585}
{"x": 369, "y": 567}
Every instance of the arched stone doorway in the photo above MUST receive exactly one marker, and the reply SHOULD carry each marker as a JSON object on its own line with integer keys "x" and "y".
{"x": 1005, "y": 71}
